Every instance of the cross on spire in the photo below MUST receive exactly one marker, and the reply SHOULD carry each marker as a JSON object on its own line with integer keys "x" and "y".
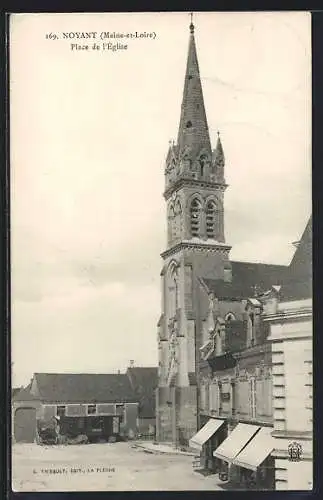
{"x": 191, "y": 25}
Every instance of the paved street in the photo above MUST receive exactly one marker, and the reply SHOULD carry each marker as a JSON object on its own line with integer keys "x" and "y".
{"x": 103, "y": 467}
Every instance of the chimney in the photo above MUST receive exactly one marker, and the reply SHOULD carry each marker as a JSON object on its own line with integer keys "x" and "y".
{"x": 227, "y": 273}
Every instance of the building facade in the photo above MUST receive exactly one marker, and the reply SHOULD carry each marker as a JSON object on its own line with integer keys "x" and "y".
{"x": 291, "y": 344}
{"x": 235, "y": 378}
{"x": 255, "y": 377}
{"x": 97, "y": 405}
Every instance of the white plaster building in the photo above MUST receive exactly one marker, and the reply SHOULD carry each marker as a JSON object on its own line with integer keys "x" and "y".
{"x": 291, "y": 338}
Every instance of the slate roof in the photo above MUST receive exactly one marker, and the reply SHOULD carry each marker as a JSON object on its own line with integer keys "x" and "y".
{"x": 245, "y": 276}
{"x": 298, "y": 280}
{"x": 24, "y": 394}
{"x": 144, "y": 381}
{"x": 15, "y": 391}
{"x": 84, "y": 387}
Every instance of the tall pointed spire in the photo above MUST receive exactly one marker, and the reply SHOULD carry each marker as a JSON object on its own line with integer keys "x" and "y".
{"x": 193, "y": 130}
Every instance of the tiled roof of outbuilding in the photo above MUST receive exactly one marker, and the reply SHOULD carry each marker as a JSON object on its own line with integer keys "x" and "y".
{"x": 24, "y": 394}
{"x": 84, "y": 387}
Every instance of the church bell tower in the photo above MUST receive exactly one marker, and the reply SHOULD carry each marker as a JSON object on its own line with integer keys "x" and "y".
{"x": 194, "y": 192}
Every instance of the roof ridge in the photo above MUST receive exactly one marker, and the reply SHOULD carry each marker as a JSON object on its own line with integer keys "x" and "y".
{"x": 258, "y": 263}
{"x": 76, "y": 373}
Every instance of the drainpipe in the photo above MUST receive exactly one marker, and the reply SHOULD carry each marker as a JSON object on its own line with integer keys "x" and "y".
{"x": 197, "y": 379}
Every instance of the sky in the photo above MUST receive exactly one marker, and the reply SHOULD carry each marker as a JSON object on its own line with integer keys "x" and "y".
{"x": 89, "y": 136}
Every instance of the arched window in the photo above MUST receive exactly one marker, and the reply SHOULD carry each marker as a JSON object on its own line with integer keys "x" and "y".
{"x": 178, "y": 220}
{"x": 210, "y": 219}
{"x": 250, "y": 327}
{"x": 195, "y": 217}
{"x": 218, "y": 341}
{"x": 171, "y": 219}
{"x": 172, "y": 304}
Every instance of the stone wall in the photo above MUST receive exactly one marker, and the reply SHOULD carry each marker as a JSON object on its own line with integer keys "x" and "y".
{"x": 176, "y": 414}
{"x": 164, "y": 414}
{"x": 186, "y": 404}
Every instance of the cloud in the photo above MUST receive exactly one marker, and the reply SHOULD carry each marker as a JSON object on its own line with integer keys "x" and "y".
{"x": 88, "y": 219}
{"x": 93, "y": 329}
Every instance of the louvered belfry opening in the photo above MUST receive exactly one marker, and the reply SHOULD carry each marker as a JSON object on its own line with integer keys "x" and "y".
{"x": 195, "y": 218}
{"x": 210, "y": 219}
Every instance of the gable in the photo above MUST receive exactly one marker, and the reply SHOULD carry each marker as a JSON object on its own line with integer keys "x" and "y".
{"x": 298, "y": 280}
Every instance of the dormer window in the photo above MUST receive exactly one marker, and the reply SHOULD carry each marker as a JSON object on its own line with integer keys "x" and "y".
{"x": 229, "y": 317}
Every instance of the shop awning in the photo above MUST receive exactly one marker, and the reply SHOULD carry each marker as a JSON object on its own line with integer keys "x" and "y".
{"x": 257, "y": 450}
{"x": 235, "y": 442}
{"x": 204, "y": 434}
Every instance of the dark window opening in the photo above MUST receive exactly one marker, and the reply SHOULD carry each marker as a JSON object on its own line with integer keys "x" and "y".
{"x": 188, "y": 124}
{"x": 120, "y": 409}
{"x": 91, "y": 409}
{"x": 61, "y": 411}
{"x": 190, "y": 77}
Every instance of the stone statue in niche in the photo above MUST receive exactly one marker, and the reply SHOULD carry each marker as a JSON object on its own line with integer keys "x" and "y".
{"x": 173, "y": 347}
{"x": 213, "y": 303}
{"x": 204, "y": 162}
{"x": 172, "y": 326}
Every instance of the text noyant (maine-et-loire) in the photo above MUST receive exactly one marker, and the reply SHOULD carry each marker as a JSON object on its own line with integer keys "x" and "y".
{"x": 105, "y": 41}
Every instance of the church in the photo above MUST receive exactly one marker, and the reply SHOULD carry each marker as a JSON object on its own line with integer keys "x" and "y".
{"x": 211, "y": 306}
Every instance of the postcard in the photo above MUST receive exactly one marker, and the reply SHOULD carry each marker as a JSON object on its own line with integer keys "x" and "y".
{"x": 161, "y": 242}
